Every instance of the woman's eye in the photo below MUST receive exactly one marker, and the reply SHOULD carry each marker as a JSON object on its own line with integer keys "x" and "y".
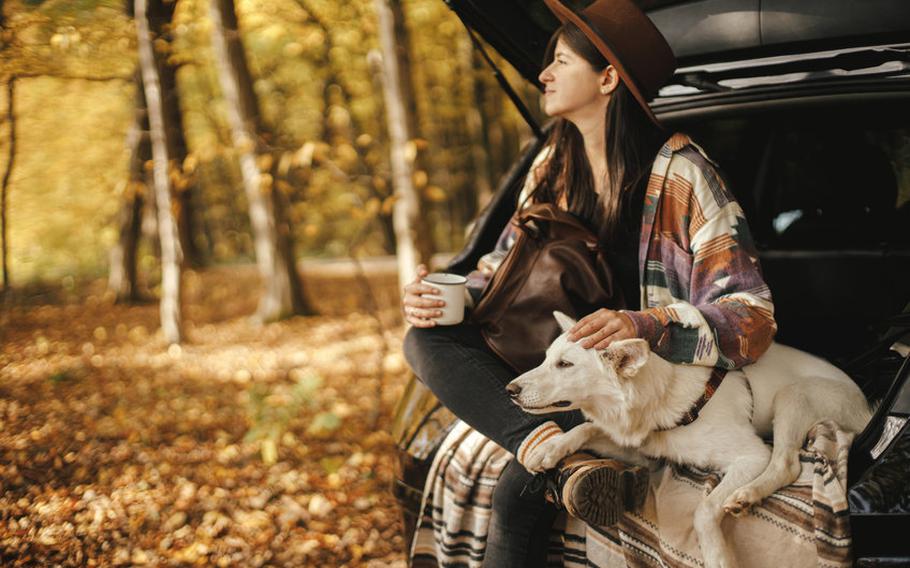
{"x": 563, "y": 364}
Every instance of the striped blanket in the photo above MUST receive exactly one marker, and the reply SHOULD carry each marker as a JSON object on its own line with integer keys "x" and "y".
{"x": 804, "y": 524}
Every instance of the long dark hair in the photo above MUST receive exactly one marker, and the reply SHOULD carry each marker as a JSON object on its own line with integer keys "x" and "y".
{"x": 632, "y": 141}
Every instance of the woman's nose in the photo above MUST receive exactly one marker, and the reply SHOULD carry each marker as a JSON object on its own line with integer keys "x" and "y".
{"x": 545, "y": 75}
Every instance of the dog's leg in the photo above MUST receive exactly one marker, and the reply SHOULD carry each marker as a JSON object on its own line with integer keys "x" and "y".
{"x": 796, "y": 409}
{"x": 753, "y": 458}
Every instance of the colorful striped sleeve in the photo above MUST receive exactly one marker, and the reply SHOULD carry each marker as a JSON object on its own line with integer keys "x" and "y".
{"x": 707, "y": 300}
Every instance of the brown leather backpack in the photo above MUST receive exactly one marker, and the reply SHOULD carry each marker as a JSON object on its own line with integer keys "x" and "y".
{"x": 555, "y": 263}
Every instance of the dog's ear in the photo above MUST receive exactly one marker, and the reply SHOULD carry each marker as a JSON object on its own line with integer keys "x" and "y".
{"x": 627, "y": 356}
{"x": 565, "y": 322}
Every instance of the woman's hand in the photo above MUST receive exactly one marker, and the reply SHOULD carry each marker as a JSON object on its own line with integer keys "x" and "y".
{"x": 602, "y": 328}
{"x": 419, "y": 311}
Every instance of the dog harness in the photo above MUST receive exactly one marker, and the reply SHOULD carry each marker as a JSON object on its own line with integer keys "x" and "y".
{"x": 717, "y": 375}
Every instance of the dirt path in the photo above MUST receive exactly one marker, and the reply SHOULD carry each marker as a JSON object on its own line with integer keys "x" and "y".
{"x": 116, "y": 450}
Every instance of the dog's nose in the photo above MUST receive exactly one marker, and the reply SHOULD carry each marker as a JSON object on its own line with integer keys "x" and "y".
{"x": 513, "y": 390}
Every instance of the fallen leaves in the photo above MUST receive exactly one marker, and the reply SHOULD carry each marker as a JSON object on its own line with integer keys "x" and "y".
{"x": 118, "y": 450}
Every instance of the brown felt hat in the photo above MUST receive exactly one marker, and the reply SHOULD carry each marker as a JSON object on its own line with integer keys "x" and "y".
{"x": 629, "y": 41}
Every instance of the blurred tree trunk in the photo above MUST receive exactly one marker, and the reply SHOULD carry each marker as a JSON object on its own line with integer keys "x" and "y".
{"x": 185, "y": 191}
{"x": 11, "y": 119}
{"x": 413, "y": 242}
{"x": 123, "y": 276}
{"x": 283, "y": 294}
{"x": 122, "y": 279}
{"x": 476, "y": 122}
{"x": 388, "y": 226}
{"x": 167, "y": 229}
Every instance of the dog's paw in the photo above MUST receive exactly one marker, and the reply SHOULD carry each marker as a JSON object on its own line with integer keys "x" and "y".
{"x": 546, "y": 455}
{"x": 740, "y": 501}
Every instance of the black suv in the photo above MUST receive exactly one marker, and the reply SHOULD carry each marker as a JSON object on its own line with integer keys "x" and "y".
{"x": 805, "y": 106}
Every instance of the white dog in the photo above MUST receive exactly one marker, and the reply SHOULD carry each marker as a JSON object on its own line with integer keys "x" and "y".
{"x": 634, "y": 400}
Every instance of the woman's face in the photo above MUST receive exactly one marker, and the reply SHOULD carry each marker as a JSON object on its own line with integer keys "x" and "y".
{"x": 573, "y": 90}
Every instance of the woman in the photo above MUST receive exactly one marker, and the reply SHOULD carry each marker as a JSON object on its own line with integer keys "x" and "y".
{"x": 676, "y": 239}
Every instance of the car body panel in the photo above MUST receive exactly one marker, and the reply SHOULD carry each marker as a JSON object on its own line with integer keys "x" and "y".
{"x": 701, "y": 31}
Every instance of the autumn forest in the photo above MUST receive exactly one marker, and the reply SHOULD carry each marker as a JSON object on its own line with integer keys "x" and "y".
{"x": 208, "y": 210}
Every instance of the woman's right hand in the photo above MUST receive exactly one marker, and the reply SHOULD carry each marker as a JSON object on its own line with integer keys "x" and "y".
{"x": 420, "y": 311}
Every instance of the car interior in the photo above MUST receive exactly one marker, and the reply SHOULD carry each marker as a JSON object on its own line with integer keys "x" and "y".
{"x": 828, "y": 202}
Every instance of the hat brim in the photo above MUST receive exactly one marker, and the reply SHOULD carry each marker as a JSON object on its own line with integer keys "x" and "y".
{"x": 564, "y": 13}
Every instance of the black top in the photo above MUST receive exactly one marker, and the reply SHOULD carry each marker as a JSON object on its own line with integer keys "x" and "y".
{"x": 622, "y": 252}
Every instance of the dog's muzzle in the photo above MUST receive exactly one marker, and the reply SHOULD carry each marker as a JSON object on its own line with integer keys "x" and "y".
{"x": 515, "y": 391}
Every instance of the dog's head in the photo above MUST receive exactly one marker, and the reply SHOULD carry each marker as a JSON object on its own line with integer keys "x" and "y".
{"x": 574, "y": 377}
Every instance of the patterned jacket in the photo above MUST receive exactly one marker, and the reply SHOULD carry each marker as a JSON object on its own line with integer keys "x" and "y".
{"x": 704, "y": 300}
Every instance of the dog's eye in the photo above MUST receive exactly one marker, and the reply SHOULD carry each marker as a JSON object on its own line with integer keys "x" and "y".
{"x": 562, "y": 364}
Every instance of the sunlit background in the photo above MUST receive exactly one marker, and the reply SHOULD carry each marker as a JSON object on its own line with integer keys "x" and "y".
{"x": 246, "y": 443}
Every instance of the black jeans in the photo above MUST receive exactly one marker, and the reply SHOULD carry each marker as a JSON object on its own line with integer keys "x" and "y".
{"x": 469, "y": 378}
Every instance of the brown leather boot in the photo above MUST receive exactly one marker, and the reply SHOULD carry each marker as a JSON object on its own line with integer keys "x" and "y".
{"x": 600, "y": 491}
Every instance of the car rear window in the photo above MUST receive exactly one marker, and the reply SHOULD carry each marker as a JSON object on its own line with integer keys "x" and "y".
{"x": 827, "y": 195}
{"x": 837, "y": 178}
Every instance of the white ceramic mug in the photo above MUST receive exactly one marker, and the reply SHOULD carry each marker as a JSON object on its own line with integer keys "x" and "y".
{"x": 451, "y": 291}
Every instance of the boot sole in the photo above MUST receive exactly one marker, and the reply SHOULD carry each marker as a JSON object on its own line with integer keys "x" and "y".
{"x": 601, "y": 495}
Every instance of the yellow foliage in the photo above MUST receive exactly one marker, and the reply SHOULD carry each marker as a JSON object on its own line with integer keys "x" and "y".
{"x": 264, "y": 162}
{"x": 69, "y": 155}
{"x": 251, "y": 19}
{"x": 410, "y": 151}
{"x": 265, "y": 183}
{"x": 161, "y": 45}
{"x": 284, "y": 163}
{"x": 293, "y": 49}
{"x": 321, "y": 151}
{"x": 339, "y": 117}
{"x": 372, "y": 207}
{"x": 190, "y": 163}
{"x": 180, "y": 183}
{"x": 274, "y": 31}
{"x": 304, "y": 156}
{"x": 284, "y": 187}
{"x": 246, "y": 145}
{"x": 71, "y": 149}
{"x": 136, "y": 188}
{"x": 388, "y": 203}
{"x": 435, "y": 194}
{"x": 313, "y": 39}
{"x": 347, "y": 155}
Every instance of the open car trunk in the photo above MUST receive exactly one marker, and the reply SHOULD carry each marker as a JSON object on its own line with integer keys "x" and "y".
{"x": 822, "y": 170}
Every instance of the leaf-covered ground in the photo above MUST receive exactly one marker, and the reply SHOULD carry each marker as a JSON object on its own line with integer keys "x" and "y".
{"x": 245, "y": 446}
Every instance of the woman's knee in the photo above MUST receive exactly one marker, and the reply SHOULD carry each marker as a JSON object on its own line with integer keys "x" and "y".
{"x": 415, "y": 344}
{"x": 420, "y": 345}
{"x": 512, "y": 498}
